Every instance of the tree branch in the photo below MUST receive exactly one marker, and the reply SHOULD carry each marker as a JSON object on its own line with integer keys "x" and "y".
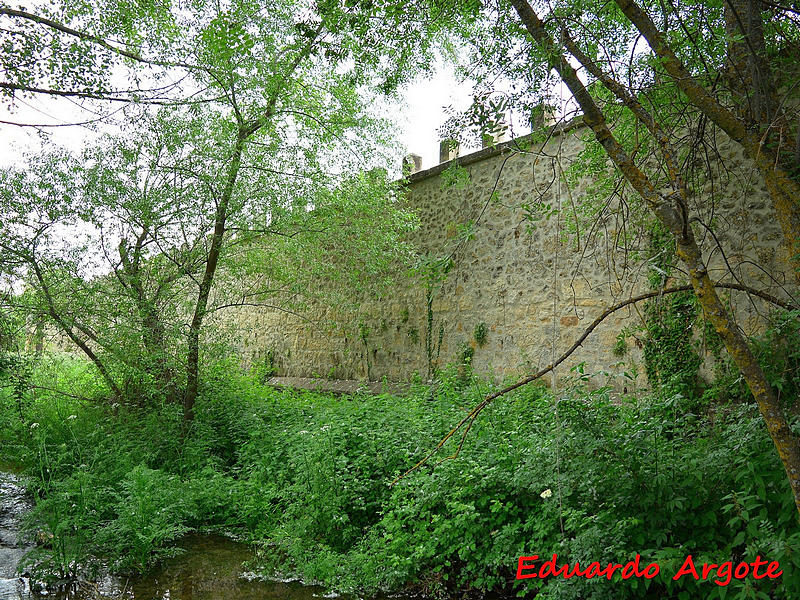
{"x": 98, "y": 41}
{"x": 473, "y": 414}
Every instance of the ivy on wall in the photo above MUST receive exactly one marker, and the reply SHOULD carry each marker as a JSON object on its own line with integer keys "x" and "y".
{"x": 670, "y": 357}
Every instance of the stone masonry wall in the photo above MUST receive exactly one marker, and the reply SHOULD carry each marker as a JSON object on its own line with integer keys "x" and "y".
{"x": 534, "y": 285}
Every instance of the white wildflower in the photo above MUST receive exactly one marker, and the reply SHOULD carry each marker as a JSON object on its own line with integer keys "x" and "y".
{"x": 34, "y": 425}
{"x": 547, "y": 493}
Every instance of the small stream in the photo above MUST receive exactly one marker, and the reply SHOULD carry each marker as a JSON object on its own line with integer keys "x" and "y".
{"x": 13, "y": 505}
{"x": 210, "y": 568}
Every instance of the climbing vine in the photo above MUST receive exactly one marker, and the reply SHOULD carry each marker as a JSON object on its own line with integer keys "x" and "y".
{"x": 434, "y": 271}
{"x": 671, "y": 357}
{"x": 264, "y": 368}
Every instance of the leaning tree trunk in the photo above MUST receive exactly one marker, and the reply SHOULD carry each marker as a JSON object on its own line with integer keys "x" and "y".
{"x": 671, "y": 211}
{"x": 783, "y": 190}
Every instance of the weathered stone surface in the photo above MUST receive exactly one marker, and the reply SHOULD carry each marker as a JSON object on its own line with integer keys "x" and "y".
{"x": 534, "y": 282}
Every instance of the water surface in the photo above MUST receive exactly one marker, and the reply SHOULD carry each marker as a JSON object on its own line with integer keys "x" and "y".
{"x": 13, "y": 504}
{"x": 210, "y": 568}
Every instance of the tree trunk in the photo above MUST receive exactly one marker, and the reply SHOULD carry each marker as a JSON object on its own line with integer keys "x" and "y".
{"x": 671, "y": 210}
{"x": 784, "y": 191}
{"x": 748, "y": 71}
{"x": 152, "y": 326}
{"x": 221, "y": 215}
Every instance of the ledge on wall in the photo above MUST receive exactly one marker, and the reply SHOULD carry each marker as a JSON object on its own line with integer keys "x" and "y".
{"x": 337, "y": 386}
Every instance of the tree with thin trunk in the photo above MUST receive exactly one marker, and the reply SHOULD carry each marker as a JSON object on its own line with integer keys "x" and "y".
{"x": 255, "y": 157}
{"x": 535, "y": 52}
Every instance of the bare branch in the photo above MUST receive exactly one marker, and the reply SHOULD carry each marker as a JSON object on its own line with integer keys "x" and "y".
{"x": 473, "y": 414}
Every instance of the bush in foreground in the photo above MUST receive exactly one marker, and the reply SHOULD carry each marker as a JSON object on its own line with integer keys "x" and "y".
{"x": 306, "y": 477}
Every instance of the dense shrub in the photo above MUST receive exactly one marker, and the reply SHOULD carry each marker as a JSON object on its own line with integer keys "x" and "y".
{"x": 306, "y": 478}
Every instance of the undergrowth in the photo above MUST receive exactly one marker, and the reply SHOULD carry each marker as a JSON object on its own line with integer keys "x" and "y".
{"x": 305, "y": 477}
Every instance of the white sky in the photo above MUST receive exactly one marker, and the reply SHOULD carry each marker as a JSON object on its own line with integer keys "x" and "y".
{"x": 426, "y": 100}
{"x": 14, "y": 140}
{"x": 419, "y": 124}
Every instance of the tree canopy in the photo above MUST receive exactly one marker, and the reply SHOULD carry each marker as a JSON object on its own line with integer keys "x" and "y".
{"x": 244, "y": 127}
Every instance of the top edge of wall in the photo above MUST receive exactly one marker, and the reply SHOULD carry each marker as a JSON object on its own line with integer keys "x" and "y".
{"x": 497, "y": 149}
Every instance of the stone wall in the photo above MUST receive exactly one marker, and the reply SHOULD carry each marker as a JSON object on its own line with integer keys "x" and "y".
{"x": 532, "y": 286}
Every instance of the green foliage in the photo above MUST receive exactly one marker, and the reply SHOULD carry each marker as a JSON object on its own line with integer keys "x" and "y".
{"x": 620, "y": 348}
{"x": 151, "y": 511}
{"x": 464, "y": 357}
{"x": 215, "y": 45}
{"x": 363, "y": 332}
{"x": 480, "y": 333}
{"x": 777, "y": 352}
{"x": 455, "y": 176}
{"x": 661, "y": 255}
{"x": 10, "y": 343}
{"x": 672, "y": 355}
{"x": 105, "y": 486}
{"x": 304, "y": 476}
{"x": 535, "y": 212}
{"x": 248, "y": 186}
{"x": 631, "y": 479}
{"x": 124, "y": 190}
{"x": 434, "y": 270}
{"x": 671, "y": 359}
{"x": 263, "y": 369}
{"x": 9, "y": 333}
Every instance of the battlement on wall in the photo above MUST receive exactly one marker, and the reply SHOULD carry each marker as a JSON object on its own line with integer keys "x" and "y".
{"x": 449, "y": 155}
{"x": 524, "y": 283}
